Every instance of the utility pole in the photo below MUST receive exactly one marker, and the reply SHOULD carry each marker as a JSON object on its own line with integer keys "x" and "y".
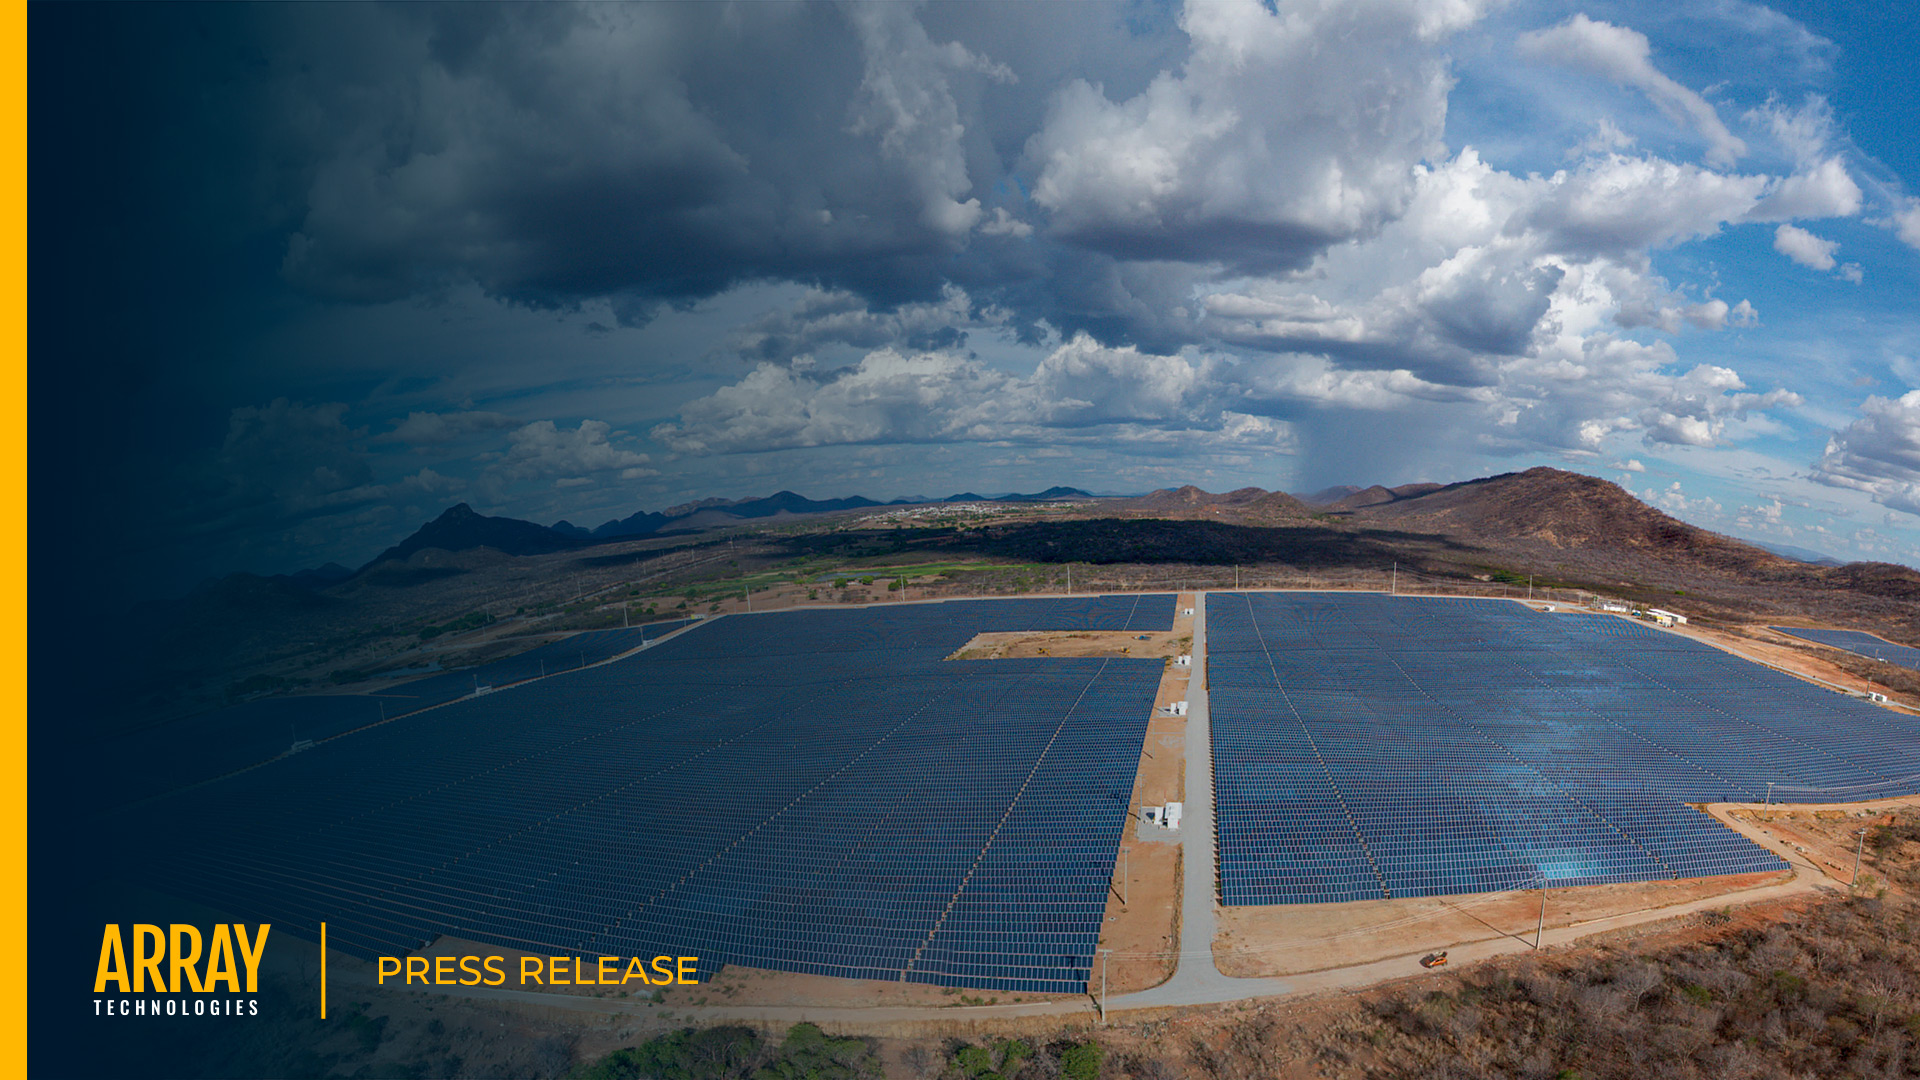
{"x": 1540, "y": 927}
{"x": 1395, "y": 586}
{"x": 1862, "y": 834}
{"x": 1770, "y": 792}
{"x": 1103, "y": 986}
{"x": 1529, "y": 586}
{"x": 1236, "y": 577}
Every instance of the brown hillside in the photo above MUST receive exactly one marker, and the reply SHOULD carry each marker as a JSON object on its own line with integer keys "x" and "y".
{"x": 1567, "y": 510}
{"x": 1243, "y": 506}
{"x": 1408, "y": 491}
{"x": 1373, "y": 496}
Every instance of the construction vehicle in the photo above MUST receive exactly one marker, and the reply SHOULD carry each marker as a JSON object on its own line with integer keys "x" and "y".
{"x": 1434, "y": 960}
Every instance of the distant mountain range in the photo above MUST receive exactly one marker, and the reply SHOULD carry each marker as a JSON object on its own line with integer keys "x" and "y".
{"x": 1538, "y": 510}
{"x": 461, "y": 528}
{"x": 1800, "y": 554}
{"x": 1562, "y": 526}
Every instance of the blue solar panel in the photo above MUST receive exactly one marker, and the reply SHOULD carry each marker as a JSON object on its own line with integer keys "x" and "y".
{"x": 1372, "y": 746}
{"x": 812, "y": 791}
{"x": 1855, "y": 641}
{"x": 197, "y": 748}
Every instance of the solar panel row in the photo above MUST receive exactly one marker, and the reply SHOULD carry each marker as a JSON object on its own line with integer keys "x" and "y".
{"x": 1371, "y": 746}
{"x": 1855, "y": 641}
{"x": 148, "y": 762}
{"x": 811, "y": 791}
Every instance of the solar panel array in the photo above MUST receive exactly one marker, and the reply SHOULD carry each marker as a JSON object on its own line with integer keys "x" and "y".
{"x": 1855, "y": 641}
{"x": 154, "y": 760}
{"x": 1371, "y": 746}
{"x": 811, "y": 791}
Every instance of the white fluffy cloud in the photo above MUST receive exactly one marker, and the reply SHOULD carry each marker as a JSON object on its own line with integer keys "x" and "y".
{"x": 1804, "y": 248}
{"x": 1209, "y": 165}
{"x": 1878, "y": 454}
{"x": 906, "y": 99}
{"x": 543, "y": 450}
{"x": 1506, "y": 295}
{"x": 1624, "y": 56}
{"x": 1813, "y": 253}
{"x": 1907, "y": 221}
{"x": 1079, "y": 390}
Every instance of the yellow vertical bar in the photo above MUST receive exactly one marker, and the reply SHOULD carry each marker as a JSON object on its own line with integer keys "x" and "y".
{"x": 13, "y": 537}
{"x": 323, "y": 971}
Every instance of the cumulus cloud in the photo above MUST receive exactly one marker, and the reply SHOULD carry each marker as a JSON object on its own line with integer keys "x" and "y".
{"x": 1804, "y": 248}
{"x": 1812, "y": 252}
{"x": 1081, "y": 388}
{"x": 1202, "y": 165}
{"x": 543, "y": 451}
{"x": 825, "y": 317}
{"x": 907, "y": 101}
{"x": 1907, "y": 223}
{"x": 1607, "y": 138}
{"x": 1675, "y": 498}
{"x": 1005, "y": 224}
{"x": 1482, "y": 254}
{"x": 1878, "y": 453}
{"x": 1822, "y": 191}
{"x": 1624, "y": 56}
{"x": 1696, "y": 407}
{"x": 1622, "y": 205}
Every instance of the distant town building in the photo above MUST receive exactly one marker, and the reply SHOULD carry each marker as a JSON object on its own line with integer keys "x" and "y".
{"x": 1666, "y": 618}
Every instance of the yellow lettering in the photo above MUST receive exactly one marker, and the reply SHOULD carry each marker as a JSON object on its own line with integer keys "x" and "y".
{"x": 220, "y": 961}
{"x": 147, "y": 962}
{"x": 529, "y": 967}
{"x": 183, "y": 960}
{"x": 663, "y": 967}
{"x": 555, "y": 964}
{"x": 603, "y": 976}
{"x": 442, "y": 970}
{"x": 384, "y": 961}
{"x": 634, "y": 969}
{"x": 470, "y": 965}
{"x": 420, "y": 970}
{"x": 250, "y": 953}
{"x": 688, "y": 978}
{"x": 499, "y": 974}
{"x": 113, "y": 961}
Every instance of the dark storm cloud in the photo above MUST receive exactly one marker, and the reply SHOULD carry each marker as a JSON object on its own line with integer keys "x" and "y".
{"x": 653, "y": 154}
{"x": 643, "y": 153}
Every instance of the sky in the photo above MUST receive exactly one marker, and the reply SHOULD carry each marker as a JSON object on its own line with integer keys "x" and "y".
{"x": 301, "y": 277}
